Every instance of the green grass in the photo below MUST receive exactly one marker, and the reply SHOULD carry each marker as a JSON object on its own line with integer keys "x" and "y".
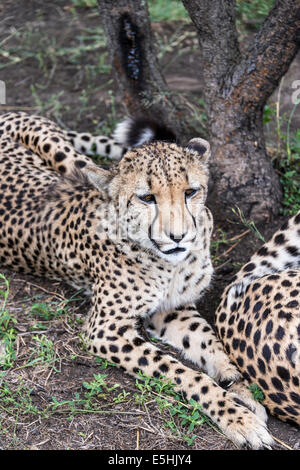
{"x": 160, "y": 10}
{"x": 84, "y": 55}
{"x": 17, "y": 400}
{"x": 30, "y": 44}
{"x": 8, "y": 332}
{"x": 85, "y": 3}
{"x": 170, "y": 10}
{"x": 290, "y": 179}
{"x": 253, "y": 12}
{"x": 182, "y": 418}
{"x": 19, "y": 397}
{"x": 285, "y": 149}
{"x": 99, "y": 396}
{"x": 42, "y": 354}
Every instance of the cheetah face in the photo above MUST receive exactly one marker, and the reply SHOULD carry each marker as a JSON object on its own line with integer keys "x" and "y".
{"x": 164, "y": 219}
{"x": 159, "y": 191}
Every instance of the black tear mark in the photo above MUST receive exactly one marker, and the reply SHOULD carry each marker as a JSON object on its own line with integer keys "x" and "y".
{"x": 130, "y": 43}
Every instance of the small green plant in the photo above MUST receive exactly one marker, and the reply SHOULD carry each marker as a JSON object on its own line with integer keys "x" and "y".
{"x": 16, "y": 400}
{"x": 217, "y": 243}
{"x": 7, "y": 349}
{"x": 104, "y": 363}
{"x": 148, "y": 385}
{"x": 290, "y": 181}
{"x": 121, "y": 397}
{"x": 43, "y": 311}
{"x": 98, "y": 387}
{"x": 269, "y": 113}
{"x": 247, "y": 223}
{"x": 189, "y": 418}
{"x": 99, "y": 398}
{"x": 257, "y": 392}
{"x": 4, "y": 293}
{"x": 49, "y": 311}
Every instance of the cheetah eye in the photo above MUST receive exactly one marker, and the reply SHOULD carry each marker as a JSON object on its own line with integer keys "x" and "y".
{"x": 148, "y": 198}
{"x": 191, "y": 192}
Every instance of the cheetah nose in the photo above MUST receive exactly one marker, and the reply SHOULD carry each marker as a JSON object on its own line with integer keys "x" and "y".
{"x": 177, "y": 238}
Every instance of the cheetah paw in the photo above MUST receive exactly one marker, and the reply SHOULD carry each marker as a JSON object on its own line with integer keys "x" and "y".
{"x": 248, "y": 431}
{"x": 241, "y": 391}
{"x": 222, "y": 370}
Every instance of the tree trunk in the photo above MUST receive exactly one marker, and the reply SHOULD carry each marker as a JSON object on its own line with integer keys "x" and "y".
{"x": 133, "y": 54}
{"x": 237, "y": 90}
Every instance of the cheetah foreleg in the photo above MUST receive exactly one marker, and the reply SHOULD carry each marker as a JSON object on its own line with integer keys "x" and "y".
{"x": 122, "y": 344}
{"x": 185, "y": 330}
{"x": 188, "y": 332}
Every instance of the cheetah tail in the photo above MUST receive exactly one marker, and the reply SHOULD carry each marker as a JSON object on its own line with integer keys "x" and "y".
{"x": 134, "y": 132}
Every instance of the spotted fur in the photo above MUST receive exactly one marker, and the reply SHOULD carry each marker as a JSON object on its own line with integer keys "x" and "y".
{"x": 136, "y": 237}
{"x": 258, "y": 321}
{"x": 132, "y": 132}
{"x": 89, "y": 144}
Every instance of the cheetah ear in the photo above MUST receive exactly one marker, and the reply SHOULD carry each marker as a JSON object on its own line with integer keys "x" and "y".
{"x": 200, "y": 147}
{"x": 99, "y": 177}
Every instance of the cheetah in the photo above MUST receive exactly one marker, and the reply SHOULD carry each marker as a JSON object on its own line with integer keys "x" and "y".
{"x": 258, "y": 321}
{"x": 136, "y": 237}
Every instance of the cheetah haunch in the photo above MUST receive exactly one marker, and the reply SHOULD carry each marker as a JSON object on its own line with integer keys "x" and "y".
{"x": 259, "y": 321}
{"x": 136, "y": 236}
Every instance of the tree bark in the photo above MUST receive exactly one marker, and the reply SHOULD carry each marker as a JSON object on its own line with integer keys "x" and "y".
{"x": 237, "y": 89}
{"x": 133, "y": 54}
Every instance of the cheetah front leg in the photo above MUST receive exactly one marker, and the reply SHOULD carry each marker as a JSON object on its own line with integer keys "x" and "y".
{"x": 116, "y": 338}
{"x": 185, "y": 330}
{"x": 189, "y": 333}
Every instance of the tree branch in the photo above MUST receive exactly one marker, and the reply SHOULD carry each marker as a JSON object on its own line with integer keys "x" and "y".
{"x": 215, "y": 24}
{"x": 252, "y": 79}
{"x": 268, "y": 57}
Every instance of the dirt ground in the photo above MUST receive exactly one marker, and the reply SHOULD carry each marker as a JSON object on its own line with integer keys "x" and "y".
{"x": 54, "y": 63}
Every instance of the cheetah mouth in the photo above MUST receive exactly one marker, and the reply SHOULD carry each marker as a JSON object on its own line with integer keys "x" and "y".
{"x": 174, "y": 251}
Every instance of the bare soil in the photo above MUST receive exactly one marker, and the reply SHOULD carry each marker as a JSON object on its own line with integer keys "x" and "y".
{"x": 46, "y": 73}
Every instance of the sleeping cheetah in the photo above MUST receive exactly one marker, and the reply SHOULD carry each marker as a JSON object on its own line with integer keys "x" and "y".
{"x": 137, "y": 237}
{"x": 258, "y": 321}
